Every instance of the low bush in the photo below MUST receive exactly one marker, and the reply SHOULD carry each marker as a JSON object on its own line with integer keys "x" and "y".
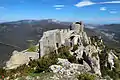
{"x": 86, "y": 76}
{"x": 75, "y": 47}
{"x": 63, "y": 52}
{"x": 72, "y": 59}
{"x": 46, "y": 61}
{"x": 2, "y": 72}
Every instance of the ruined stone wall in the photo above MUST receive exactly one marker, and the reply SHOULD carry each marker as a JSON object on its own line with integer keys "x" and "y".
{"x": 53, "y": 39}
{"x": 47, "y": 42}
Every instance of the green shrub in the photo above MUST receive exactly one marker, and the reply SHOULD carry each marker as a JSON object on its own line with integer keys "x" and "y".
{"x": 33, "y": 63}
{"x": 63, "y": 52}
{"x": 75, "y": 47}
{"x": 45, "y": 62}
{"x": 86, "y": 76}
{"x": 2, "y": 72}
{"x": 72, "y": 59}
{"x": 24, "y": 69}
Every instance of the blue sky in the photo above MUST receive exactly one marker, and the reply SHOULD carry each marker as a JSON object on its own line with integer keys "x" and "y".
{"x": 89, "y": 11}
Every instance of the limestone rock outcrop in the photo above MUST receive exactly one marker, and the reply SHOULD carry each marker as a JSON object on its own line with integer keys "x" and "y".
{"x": 111, "y": 58}
{"x": 64, "y": 67}
{"x": 20, "y": 58}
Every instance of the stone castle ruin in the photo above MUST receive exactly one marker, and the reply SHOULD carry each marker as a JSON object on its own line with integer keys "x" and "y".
{"x": 87, "y": 51}
{"x": 54, "y": 39}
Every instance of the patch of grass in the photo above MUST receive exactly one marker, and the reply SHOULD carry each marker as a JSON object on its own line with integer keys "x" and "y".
{"x": 40, "y": 74}
{"x": 86, "y": 76}
{"x": 32, "y": 48}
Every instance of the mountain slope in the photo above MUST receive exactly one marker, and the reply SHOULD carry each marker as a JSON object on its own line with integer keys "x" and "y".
{"x": 110, "y": 33}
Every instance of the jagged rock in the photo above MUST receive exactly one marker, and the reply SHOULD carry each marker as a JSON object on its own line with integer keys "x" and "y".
{"x": 63, "y": 62}
{"x": 111, "y": 58}
{"x": 55, "y": 78}
{"x": 79, "y": 52}
{"x": 37, "y": 77}
{"x": 29, "y": 78}
{"x": 87, "y": 67}
{"x": 85, "y": 38}
{"x": 68, "y": 69}
{"x": 55, "y": 68}
{"x": 91, "y": 53}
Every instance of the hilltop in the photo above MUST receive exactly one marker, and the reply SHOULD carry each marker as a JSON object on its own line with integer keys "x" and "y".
{"x": 65, "y": 54}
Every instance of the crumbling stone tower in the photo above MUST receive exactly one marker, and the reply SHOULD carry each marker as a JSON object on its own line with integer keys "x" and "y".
{"x": 78, "y": 27}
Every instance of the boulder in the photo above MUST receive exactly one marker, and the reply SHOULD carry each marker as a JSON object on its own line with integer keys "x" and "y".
{"x": 64, "y": 67}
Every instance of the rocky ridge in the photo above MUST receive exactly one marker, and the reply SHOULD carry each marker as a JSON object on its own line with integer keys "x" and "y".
{"x": 88, "y": 55}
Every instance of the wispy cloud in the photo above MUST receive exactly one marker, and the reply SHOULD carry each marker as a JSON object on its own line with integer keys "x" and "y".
{"x": 113, "y": 12}
{"x": 84, "y": 3}
{"x": 58, "y": 6}
{"x": 103, "y": 8}
{"x": 111, "y": 2}
{"x": 88, "y": 3}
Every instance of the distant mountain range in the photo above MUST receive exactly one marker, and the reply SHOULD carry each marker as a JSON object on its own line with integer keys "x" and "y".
{"x": 17, "y": 33}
